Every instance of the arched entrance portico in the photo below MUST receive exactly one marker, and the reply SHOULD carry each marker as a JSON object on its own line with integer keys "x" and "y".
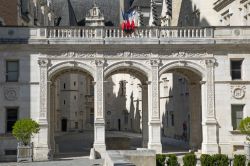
{"x": 148, "y": 70}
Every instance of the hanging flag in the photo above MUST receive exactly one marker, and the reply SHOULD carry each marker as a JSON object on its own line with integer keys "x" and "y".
{"x": 128, "y": 24}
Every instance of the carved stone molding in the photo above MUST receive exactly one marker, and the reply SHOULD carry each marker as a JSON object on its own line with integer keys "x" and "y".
{"x": 186, "y": 55}
{"x": 11, "y": 93}
{"x": 238, "y": 91}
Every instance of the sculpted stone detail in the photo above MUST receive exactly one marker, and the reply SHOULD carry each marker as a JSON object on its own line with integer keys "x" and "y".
{"x": 99, "y": 89}
{"x": 43, "y": 88}
{"x": 238, "y": 91}
{"x": 210, "y": 88}
{"x": 11, "y": 93}
{"x": 155, "y": 88}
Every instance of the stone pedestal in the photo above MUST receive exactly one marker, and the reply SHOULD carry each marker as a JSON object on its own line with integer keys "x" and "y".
{"x": 99, "y": 139}
{"x": 209, "y": 144}
{"x": 154, "y": 142}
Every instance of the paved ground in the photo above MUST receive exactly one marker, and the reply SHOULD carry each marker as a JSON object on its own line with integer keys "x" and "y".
{"x": 62, "y": 162}
{"x": 73, "y": 146}
{"x": 79, "y": 144}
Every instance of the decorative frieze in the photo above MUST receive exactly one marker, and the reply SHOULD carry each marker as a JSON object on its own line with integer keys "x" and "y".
{"x": 238, "y": 91}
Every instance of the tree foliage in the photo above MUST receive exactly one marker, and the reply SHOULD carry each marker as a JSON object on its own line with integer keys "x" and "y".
{"x": 24, "y": 129}
{"x": 244, "y": 127}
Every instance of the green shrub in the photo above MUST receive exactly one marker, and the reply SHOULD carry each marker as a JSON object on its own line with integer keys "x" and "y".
{"x": 244, "y": 127}
{"x": 206, "y": 160}
{"x": 248, "y": 163}
{"x": 172, "y": 160}
{"x": 220, "y": 160}
{"x": 189, "y": 160}
{"x": 160, "y": 159}
{"x": 24, "y": 129}
{"x": 239, "y": 160}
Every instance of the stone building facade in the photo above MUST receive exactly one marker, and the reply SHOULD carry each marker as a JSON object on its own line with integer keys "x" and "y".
{"x": 26, "y": 13}
{"x": 216, "y": 76}
{"x": 178, "y": 82}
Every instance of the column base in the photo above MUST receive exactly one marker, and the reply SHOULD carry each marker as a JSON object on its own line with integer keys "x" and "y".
{"x": 101, "y": 150}
{"x": 41, "y": 154}
{"x": 210, "y": 148}
{"x": 156, "y": 147}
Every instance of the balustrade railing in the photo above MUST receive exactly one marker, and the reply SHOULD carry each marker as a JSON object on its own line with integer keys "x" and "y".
{"x": 101, "y": 33}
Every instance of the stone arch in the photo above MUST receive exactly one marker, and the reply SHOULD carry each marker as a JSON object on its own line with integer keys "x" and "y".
{"x": 142, "y": 70}
{"x": 194, "y": 73}
{"x": 70, "y": 65}
{"x": 196, "y": 68}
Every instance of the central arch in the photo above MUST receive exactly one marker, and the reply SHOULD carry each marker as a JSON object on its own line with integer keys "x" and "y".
{"x": 126, "y": 99}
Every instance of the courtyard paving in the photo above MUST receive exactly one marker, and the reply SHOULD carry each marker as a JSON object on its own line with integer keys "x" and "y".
{"x": 74, "y": 148}
{"x": 82, "y": 161}
{"x": 79, "y": 144}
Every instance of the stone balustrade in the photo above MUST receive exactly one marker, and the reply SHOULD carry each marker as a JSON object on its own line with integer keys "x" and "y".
{"x": 101, "y": 33}
{"x": 115, "y": 35}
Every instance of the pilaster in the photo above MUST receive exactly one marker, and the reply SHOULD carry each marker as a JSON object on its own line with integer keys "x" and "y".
{"x": 41, "y": 148}
{"x": 154, "y": 111}
{"x": 145, "y": 115}
{"x": 210, "y": 126}
{"x": 99, "y": 127}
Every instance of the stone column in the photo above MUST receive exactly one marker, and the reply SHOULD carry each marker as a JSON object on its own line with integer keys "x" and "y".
{"x": 154, "y": 111}
{"x": 41, "y": 143}
{"x": 99, "y": 126}
{"x": 210, "y": 126}
{"x": 195, "y": 116}
{"x": 52, "y": 120}
{"x": 145, "y": 116}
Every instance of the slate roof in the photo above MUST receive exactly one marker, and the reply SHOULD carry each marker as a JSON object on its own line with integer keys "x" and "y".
{"x": 141, "y": 3}
{"x": 110, "y": 9}
{"x": 64, "y": 9}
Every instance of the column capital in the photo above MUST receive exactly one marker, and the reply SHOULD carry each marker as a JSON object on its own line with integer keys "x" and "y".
{"x": 99, "y": 62}
{"x": 210, "y": 62}
{"x": 154, "y": 62}
{"x": 43, "y": 62}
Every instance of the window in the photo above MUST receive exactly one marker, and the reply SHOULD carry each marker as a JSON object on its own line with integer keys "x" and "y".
{"x": 236, "y": 69}
{"x": 172, "y": 119}
{"x": 237, "y": 115}
{"x": 64, "y": 86}
{"x": 122, "y": 88}
{"x": 76, "y": 125}
{"x": 64, "y": 102}
{"x": 75, "y": 97}
{"x": 12, "y": 71}
{"x": 11, "y": 118}
{"x": 11, "y": 152}
{"x": 74, "y": 83}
